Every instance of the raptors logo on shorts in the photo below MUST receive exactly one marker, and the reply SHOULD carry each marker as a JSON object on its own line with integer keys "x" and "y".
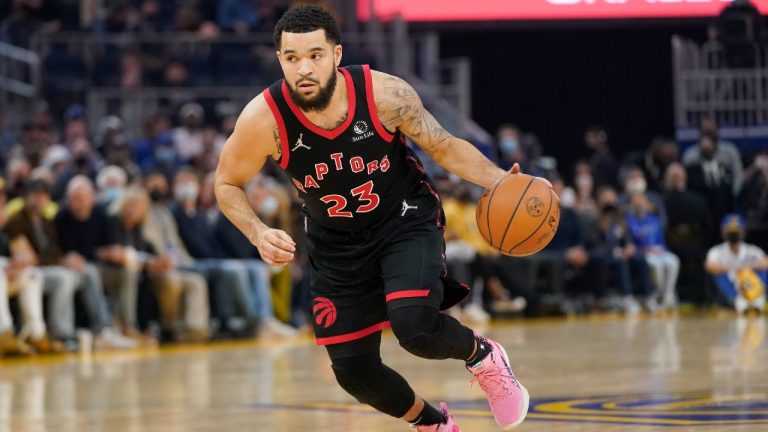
{"x": 325, "y": 312}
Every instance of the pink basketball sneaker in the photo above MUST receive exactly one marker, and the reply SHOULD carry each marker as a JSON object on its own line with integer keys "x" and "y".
{"x": 506, "y": 396}
{"x": 448, "y": 426}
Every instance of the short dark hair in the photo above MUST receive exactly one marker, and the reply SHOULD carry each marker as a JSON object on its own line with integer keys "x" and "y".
{"x": 305, "y": 19}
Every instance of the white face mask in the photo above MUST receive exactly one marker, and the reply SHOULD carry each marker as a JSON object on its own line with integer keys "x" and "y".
{"x": 583, "y": 181}
{"x": 567, "y": 198}
{"x": 636, "y": 186}
{"x": 186, "y": 192}
{"x": 268, "y": 206}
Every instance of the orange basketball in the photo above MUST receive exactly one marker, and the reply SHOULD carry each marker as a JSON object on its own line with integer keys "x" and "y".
{"x": 519, "y": 215}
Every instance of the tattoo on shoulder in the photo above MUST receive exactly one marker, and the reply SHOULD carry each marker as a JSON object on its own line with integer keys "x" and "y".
{"x": 276, "y": 136}
{"x": 399, "y": 106}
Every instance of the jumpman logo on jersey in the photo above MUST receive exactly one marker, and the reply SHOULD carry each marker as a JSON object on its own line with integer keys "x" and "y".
{"x": 407, "y": 207}
{"x": 300, "y": 143}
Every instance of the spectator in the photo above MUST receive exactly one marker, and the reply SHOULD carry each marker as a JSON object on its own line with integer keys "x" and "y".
{"x": 602, "y": 161}
{"x": 585, "y": 188}
{"x": 238, "y": 16}
{"x": 618, "y": 254}
{"x": 648, "y": 235}
{"x": 155, "y": 151}
{"x": 162, "y": 233}
{"x": 510, "y": 149}
{"x": 272, "y": 204}
{"x": 171, "y": 284}
{"x": 635, "y": 183}
{"x": 740, "y": 270}
{"x": 688, "y": 231}
{"x": 713, "y": 180}
{"x": 19, "y": 278}
{"x": 654, "y": 160}
{"x": 176, "y": 74}
{"x": 470, "y": 257}
{"x": 111, "y": 181}
{"x": 61, "y": 279}
{"x": 188, "y": 138}
{"x": 754, "y": 199}
{"x": 85, "y": 237}
{"x": 252, "y": 287}
{"x": 725, "y": 153}
{"x": 565, "y": 254}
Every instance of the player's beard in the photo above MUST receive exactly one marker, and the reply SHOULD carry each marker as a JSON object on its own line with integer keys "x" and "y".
{"x": 318, "y": 102}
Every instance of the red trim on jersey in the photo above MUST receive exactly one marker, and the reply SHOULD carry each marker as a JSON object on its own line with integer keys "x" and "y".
{"x": 349, "y": 337}
{"x": 372, "y": 106}
{"x": 407, "y": 294}
{"x": 328, "y": 134}
{"x": 285, "y": 152}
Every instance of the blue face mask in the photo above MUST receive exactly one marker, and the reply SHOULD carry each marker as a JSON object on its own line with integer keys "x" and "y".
{"x": 508, "y": 145}
{"x": 111, "y": 194}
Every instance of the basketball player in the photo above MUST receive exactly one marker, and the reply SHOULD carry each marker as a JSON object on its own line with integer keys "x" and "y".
{"x": 374, "y": 222}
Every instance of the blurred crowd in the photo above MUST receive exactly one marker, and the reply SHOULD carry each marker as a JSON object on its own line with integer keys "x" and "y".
{"x": 123, "y": 239}
{"x": 649, "y": 230}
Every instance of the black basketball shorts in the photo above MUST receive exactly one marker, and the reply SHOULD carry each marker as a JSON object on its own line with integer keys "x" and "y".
{"x": 357, "y": 277}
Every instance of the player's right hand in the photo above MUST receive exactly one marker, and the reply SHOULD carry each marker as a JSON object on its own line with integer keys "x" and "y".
{"x": 275, "y": 246}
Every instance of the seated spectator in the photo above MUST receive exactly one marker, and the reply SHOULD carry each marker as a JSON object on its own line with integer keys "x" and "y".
{"x": 648, "y": 235}
{"x": 654, "y": 160}
{"x": 20, "y": 279}
{"x": 162, "y": 232}
{"x": 601, "y": 160}
{"x": 272, "y": 204}
{"x": 155, "y": 151}
{"x": 111, "y": 181}
{"x": 635, "y": 183}
{"x": 688, "y": 231}
{"x": 754, "y": 199}
{"x": 713, "y": 179}
{"x": 63, "y": 274}
{"x": 85, "y": 237}
{"x": 188, "y": 138}
{"x": 740, "y": 270}
{"x": 584, "y": 187}
{"x": 171, "y": 284}
{"x": 470, "y": 257}
{"x": 725, "y": 153}
{"x": 616, "y": 251}
{"x": 252, "y": 288}
{"x": 566, "y": 255}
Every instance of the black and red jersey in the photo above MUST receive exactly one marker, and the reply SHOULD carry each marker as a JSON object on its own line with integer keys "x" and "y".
{"x": 354, "y": 175}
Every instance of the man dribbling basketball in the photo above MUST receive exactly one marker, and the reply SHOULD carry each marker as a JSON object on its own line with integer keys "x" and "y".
{"x": 374, "y": 223}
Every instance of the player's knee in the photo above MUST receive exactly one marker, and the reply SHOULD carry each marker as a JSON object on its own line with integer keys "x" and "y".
{"x": 417, "y": 330}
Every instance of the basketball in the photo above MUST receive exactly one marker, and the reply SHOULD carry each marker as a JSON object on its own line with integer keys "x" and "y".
{"x": 519, "y": 215}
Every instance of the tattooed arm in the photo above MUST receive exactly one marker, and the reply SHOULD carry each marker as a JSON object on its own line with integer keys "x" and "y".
{"x": 255, "y": 138}
{"x": 399, "y": 107}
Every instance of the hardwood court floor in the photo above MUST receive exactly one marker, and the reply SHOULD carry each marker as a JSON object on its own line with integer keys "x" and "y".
{"x": 696, "y": 373}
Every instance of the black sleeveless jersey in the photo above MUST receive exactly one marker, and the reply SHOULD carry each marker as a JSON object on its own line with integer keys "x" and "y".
{"x": 350, "y": 177}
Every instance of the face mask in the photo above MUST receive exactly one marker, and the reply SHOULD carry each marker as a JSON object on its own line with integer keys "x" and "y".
{"x": 112, "y": 193}
{"x": 268, "y": 206}
{"x": 508, "y": 145}
{"x": 165, "y": 154}
{"x": 567, "y": 198}
{"x": 583, "y": 181}
{"x": 186, "y": 191}
{"x": 156, "y": 195}
{"x": 636, "y": 186}
{"x": 733, "y": 237}
{"x": 708, "y": 154}
{"x": 610, "y": 208}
